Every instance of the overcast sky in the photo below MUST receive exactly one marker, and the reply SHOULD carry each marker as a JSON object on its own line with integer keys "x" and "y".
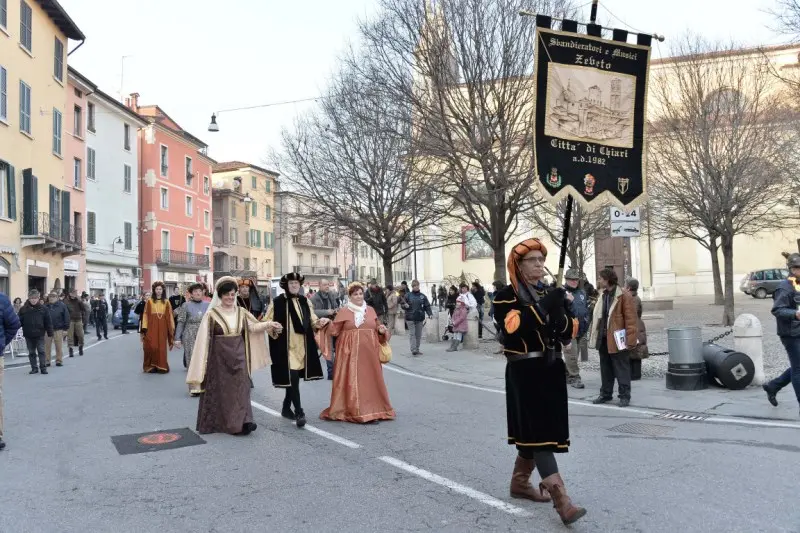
{"x": 193, "y": 57}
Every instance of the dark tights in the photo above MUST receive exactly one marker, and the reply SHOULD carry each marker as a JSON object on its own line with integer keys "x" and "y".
{"x": 293, "y": 392}
{"x": 545, "y": 461}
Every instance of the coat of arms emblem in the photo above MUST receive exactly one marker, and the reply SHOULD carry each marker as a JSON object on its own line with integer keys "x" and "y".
{"x": 588, "y": 182}
{"x": 554, "y": 179}
{"x": 623, "y": 184}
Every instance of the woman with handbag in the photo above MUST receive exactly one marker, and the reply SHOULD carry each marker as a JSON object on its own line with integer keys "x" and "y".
{"x": 359, "y": 393}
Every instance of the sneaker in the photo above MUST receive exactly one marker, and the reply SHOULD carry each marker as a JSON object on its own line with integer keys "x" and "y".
{"x": 771, "y": 396}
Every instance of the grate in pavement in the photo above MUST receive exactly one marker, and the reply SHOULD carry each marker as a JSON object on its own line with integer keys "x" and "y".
{"x": 673, "y": 415}
{"x": 636, "y": 428}
{"x": 157, "y": 441}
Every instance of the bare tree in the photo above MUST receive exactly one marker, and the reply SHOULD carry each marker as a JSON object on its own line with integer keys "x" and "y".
{"x": 351, "y": 161}
{"x": 787, "y": 17}
{"x": 721, "y": 152}
{"x": 464, "y": 67}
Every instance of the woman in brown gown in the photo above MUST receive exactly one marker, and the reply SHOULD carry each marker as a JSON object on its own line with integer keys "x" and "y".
{"x": 359, "y": 393}
{"x": 157, "y": 330}
{"x": 230, "y": 345}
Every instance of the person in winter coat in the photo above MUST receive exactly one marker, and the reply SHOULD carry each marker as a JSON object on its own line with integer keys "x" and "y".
{"x": 59, "y": 315}
{"x": 641, "y": 351}
{"x": 17, "y": 305}
{"x": 579, "y": 307}
{"x": 326, "y": 304}
{"x": 417, "y": 307}
{"x": 459, "y": 324}
{"x": 100, "y": 316}
{"x": 9, "y": 325}
{"x": 35, "y": 320}
{"x": 125, "y": 313}
{"x": 442, "y": 297}
{"x": 392, "y": 307}
{"x": 479, "y": 293}
{"x": 452, "y": 295}
{"x": 86, "y": 316}
{"x": 377, "y": 300}
{"x": 76, "y": 322}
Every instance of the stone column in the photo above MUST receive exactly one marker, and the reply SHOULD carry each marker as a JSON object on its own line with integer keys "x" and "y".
{"x": 471, "y": 337}
{"x": 747, "y": 338}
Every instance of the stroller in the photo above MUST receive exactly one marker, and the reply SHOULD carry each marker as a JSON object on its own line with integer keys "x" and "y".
{"x": 448, "y": 329}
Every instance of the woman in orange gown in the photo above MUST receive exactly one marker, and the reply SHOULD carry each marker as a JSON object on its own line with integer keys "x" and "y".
{"x": 157, "y": 330}
{"x": 359, "y": 393}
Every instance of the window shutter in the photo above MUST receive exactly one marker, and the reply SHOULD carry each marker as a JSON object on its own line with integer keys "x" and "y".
{"x": 66, "y": 216}
{"x": 12, "y": 193}
{"x": 90, "y": 227}
{"x": 52, "y": 216}
{"x": 247, "y": 239}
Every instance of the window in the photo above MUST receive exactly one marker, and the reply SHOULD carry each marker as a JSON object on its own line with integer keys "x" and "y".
{"x": 253, "y": 182}
{"x": 57, "y": 120}
{"x": 77, "y": 126}
{"x": 25, "y": 26}
{"x": 3, "y": 94}
{"x": 91, "y": 228}
{"x": 300, "y": 260}
{"x": 247, "y": 238}
{"x": 207, "y": 251}
{"x": 206, "y": 185}
{"x": 246, "y": 263}
{"x": 90, "y": 117}
{"x": 77, "y": 173}
{"x": 24, "y": 107}
{"x": 165, "y": 239}
{"x": 128, "y": 238}
{"x": 164, "y": 160}
{"x": 234, "y": 236}
{"x": 254, "y": 207}
{"x": 268, "y": 239}
{"x": 3, "y": 14}
{"x": 188, "y": 206}
{"x": 313, "y": 260}
{"x": 126, "y": 179}
{"x": 7, "y": 194}
{"x": 190, "y": 244}
{"x": 326, "y": 261}
{"x": 58, "y": 60}
{"x": 233, "y": 209}
{"x": 234, "y": 262}
{"x": 91, "y": 164}
{"x": 255, "y": 239}
{"x": 206, "y": 219}
{"x": 246, "y": 213}
{"x": 267, "y": 212}
{"x": 268, "y": 185}
{"x": 164, "y": 198}
{"x": 189, "y": 172}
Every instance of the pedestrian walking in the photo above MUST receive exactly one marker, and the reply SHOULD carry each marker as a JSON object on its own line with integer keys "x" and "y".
{"x": 535, "y": 324}
{"x": 125, "y": 313}
{"x": 36, "y": 324}
{"x": 230, "y": 346}
{"x": 460, "y": 325}
{"x": 9, "y": 325}
{"x": 325, "y": 305}
{"x": 479, "y": 294}
{"x": 17, "y": 305}
{"x": 392, "y": 307}
{"x": 442, "y": 297}
{"x": 641, "y": 351}
{"x": 579, "y": 308}
{"x": 614, "y": 334}
{"x": 77, "y": 314}
{"x": 359, "y": 392}
{"x": 786, "y": 310}
{"x": 292, "y": 346}
{"x": 59, "y": 316}
{"x": 100, "y": 316}
{"x": 157, "y": 330}
{"x": 377, "y": 300}
{"x": 86, "y": 313}
{"x": 190, "y": 315}
{"x": 416, "y": 307}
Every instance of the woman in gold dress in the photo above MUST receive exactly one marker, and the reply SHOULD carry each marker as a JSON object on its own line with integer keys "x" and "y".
{"x": 157, "y": 330}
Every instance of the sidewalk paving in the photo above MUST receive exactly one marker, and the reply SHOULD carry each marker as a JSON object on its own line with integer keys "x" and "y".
{"x": 479, "y": 369}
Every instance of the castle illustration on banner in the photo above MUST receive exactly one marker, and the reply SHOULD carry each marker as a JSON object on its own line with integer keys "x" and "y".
{"x": 586, "y": 104}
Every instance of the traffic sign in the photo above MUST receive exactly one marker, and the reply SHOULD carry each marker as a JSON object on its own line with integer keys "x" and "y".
{"x": 620, "y": 215}
{"x": 626, "y": 229}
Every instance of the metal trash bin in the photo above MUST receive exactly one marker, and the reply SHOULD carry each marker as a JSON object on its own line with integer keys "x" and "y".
{"x": 686, "y": 369}
{"x": 728, "y": 368}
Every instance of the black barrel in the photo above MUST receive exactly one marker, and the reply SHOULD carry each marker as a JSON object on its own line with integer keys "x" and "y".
{"x": 686, "y": 376}
{"x": 728, "y": 368}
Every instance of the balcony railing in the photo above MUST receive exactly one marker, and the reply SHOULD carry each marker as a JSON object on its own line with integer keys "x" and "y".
{"x": 315, "y": 240}
{"x": 181, "y": 259}
{"x": 54, "y": 230}
{"x": 317, "y": 270}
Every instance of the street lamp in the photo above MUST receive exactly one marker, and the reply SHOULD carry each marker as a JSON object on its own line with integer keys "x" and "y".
{"x": 247, "y": 199}
{"x": 214, "y": 127}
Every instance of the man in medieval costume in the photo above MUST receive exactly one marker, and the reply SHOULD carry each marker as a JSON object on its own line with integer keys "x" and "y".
{"x": 189, "y": 315}
{"x": 248, "y": 298}
{"x": 292, "y": 346}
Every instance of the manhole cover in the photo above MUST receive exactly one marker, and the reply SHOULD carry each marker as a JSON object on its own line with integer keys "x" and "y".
{"x": 156, "y": 441}
{"x": 671, "y": 415}
{"x": 635, "y": 428}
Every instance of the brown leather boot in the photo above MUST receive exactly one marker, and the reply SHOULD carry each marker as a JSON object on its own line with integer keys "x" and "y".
{"x": 521, "y": 482}
{"x": 563, "y": 505}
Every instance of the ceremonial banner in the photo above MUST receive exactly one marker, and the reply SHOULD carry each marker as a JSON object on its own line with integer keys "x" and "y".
{"x": 591, "y": 99}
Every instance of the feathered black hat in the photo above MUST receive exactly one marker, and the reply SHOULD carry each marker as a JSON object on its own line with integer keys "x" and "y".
{"x": 292, "y": 276}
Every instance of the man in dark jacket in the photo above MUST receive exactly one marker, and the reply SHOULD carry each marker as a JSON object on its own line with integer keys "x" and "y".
{"x": 579, "y": 308}
{"x": 325, "y": 305}
{"x": 114, "y": 304}
{"x": 416, "y": 306}
{"x": 479, "y": 293}
{"x": 125, "y": 313}
{"x": 76, "y": 324}
{"x": 35, "y": 320}
{"x": 9, "y": 325}
{"x": 59, "y": 316}
{"x": 377, "y": 300}
{"x": 786, "y": 310}
{"x": 100, "y": 316}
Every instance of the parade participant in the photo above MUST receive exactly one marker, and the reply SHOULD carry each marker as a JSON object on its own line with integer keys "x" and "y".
{"x": 157, "y": 330}
{"x": 248, "y": 298}
{"x": 190, "y": 315}
{"x": 36, "y": 324}
{"x": 535, "y": 324}
{"x": 230, "y": 346}
{"x": 359, "y": 393}
{"x": 9, "y": 325}
{"x": 76, "y": 329}
{"x": 176, "y": 301}
{"x": 59, "y": 315}
{"x": 292, "y": 345}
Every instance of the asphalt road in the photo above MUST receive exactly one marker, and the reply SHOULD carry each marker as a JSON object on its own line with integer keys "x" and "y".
{"x": 443, "y": 465}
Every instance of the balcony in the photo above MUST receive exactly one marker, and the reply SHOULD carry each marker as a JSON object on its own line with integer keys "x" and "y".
{"x": 50, "y": 234}
{"x": 178, "y": 259}
{"x": 314, "y": 241}
{"x": 316, "y": 270}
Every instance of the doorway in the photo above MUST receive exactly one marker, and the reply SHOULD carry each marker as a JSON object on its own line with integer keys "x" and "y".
{"x": 38, "y": 283}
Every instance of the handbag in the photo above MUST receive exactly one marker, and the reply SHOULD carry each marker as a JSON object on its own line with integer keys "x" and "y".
{"x": 385, "y": 355}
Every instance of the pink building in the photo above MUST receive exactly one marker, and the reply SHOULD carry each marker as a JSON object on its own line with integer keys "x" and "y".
{"x": 174, "y": 201}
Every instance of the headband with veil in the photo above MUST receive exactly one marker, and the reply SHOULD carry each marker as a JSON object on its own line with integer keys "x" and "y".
{"x": 215, "y": 299}
{"x": 514, "y": 274}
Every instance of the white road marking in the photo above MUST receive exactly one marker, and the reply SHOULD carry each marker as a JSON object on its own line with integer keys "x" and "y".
{"x": 581, "y": 403}
{"x": 457, "y": 487}
{"x": 322, "y": 433}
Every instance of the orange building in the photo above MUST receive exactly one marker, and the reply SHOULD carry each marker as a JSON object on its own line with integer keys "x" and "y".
{"x": 174, "y": 201}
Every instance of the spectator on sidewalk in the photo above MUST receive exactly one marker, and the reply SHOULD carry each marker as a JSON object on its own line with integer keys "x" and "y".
{"x": 786, "y": 310}
{"x": 434, "y": 295}
{"x": 9, "y": 325}
{"x": 460, "y": 325}
{"x": 100, "y": 316}
{"x": 463, "y": 290}
{"x": 498, "y": 286}
{"x": 452, "y": 296}
{"x": 613, "y": 333}
{"x": 579, "y": 308}
{"x": 35, "y": 320}
{"x": 377, "y": 300}
{"x": 442, "y": 297}
{"x": 86, "y": 314}
{"x": 125, "y": 313}
{"x": 641, "y": 351}
{"x": 325, "y": 305}
{"x": 17, "y": 305}
{"x": 76, "y": 322}
{"x": 479, "y": 293}
{"x": 59, "y": 315}
{"x": 417, "y": 307}
{"x": 114, "y": 304}
{"x": 392, "y": 307}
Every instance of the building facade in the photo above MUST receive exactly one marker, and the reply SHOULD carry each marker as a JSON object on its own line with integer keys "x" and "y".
{"x": 37, "y": 230}
{"x": 231, "y": 226}
{"x": 112, "y": 196}
{"x": 175, "y": 244}
{"x": 260, "y": 186}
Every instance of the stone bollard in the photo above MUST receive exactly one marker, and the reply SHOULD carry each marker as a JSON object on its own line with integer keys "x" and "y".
{"x": 400, "y": 324}
{"x": 747, "y": 338}
{"x": 471, "y": 336}
{"x": 432, "y": 332}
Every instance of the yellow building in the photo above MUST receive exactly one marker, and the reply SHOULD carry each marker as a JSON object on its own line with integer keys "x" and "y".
{"x": 34, "y": 43}
{"x": 259, "y": 186}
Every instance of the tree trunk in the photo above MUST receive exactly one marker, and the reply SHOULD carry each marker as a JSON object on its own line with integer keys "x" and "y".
{"x": 719, "y": 296}
{"x": 727, "y": 257}
{"x": 500, "y": 264}
{"x": 388, "y": 263}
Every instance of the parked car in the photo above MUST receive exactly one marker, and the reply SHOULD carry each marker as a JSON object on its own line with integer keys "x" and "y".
{"x": 762, "y": 283}
{"x": 133, "y": 320}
